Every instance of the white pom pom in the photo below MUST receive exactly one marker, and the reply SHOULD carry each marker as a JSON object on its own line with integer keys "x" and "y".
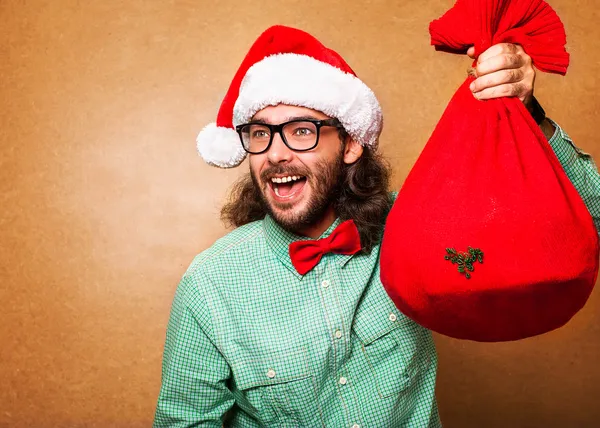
{"x": 220, "y": 146}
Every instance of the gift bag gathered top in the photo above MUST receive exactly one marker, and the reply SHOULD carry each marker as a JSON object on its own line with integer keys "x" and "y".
{"x": 488, "y": 240}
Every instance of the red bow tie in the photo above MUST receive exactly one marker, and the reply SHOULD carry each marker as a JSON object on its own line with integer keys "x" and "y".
{"x": 305, "y": 255}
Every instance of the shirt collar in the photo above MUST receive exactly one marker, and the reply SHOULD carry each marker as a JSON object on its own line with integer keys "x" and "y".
{"x": 280, "y": 239}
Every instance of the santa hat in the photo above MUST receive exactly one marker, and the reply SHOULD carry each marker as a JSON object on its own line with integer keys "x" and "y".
{"x": 289, "y": 66}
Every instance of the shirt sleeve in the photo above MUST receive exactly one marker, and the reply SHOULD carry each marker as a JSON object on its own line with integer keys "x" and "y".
{"x": 194, "y": 390}
{"x": 580, "y": 169}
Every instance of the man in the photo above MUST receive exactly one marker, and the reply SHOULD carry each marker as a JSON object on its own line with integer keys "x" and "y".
{"x": 269, "y": 327}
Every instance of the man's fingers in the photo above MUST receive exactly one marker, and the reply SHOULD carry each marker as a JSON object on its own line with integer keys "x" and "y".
{"x": 471, "y": 52}
{"x": 499, "y": 62}
{"x": 504, "y": 70}
{"x": 498, "y": 49}
{"x": 506, "y": 90}
{"x": 497, "y": 78}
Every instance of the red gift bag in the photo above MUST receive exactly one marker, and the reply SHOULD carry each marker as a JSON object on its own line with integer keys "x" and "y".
{"x": 488, "y": 240}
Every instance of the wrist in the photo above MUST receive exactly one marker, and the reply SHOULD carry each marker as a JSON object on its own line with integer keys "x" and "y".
{"x": 539, "y": 115}
{"x": 537, "y": 112}
{"x": 547, "y": 128}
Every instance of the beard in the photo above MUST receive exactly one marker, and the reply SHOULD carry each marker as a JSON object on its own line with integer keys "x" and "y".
{"x": 325, "y": 182}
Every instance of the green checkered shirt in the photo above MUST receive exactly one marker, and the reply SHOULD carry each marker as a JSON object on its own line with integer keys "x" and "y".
{"x": 251, "y": 338}
{"x": 580, "y": 169}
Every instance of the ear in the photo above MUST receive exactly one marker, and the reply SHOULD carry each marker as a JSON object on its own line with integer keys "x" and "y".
{"x": 352, "y": 151}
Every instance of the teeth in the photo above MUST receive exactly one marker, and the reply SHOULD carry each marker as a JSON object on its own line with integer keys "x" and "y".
{"x": 285, "y": 179}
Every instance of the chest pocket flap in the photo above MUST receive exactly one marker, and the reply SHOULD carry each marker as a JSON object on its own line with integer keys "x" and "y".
{"x": 271, "y": 369}
{"x": 375, "y": 324}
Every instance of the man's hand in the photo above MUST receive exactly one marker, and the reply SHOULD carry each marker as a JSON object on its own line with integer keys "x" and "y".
{"x": 504, "y": 70}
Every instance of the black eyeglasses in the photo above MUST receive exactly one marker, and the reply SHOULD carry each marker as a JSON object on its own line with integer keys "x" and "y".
{"x": 299, "y": 135}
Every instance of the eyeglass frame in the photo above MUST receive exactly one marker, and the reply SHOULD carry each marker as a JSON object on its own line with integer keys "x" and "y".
{"x": 278, "y": 129}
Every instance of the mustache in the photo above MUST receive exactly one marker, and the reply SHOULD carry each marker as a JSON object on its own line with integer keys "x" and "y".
{"x": 283, "y": 170}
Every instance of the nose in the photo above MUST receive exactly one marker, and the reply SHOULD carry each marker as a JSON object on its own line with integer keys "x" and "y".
{"x": 279, "y": 152}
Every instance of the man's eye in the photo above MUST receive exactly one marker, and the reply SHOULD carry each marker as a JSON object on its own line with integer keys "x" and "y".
{"x": 302, "y": 132}
{"x": 260, "y": 134}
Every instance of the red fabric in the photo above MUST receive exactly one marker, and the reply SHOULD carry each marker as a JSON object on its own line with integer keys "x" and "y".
{"x": 344, "y": 239}
{"x": 488, "y": 179}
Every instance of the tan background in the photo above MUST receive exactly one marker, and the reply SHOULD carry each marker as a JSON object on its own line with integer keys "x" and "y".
{"x": 104, "y": 202}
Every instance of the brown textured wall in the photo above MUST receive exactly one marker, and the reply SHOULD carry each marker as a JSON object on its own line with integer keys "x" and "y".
{"x": 104, "y": 202}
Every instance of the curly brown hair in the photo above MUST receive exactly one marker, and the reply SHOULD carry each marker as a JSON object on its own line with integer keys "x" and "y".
{"x": 363, "y": 196}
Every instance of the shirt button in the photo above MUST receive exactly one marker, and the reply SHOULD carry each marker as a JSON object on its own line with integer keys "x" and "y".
{"x": 338, "y": 334}
{"x": 356, "y": 426}
{"x": 271, "y": 373}
{"x": 343, "y": 381}
{"x": 325, "y": 284}
{"x": 393, "y": 317}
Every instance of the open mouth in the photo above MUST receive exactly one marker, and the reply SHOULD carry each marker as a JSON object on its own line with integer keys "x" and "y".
{"x": 287, "y": 188}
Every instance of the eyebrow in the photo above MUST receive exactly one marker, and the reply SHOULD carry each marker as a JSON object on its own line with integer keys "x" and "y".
{"x": 285, "y": 119}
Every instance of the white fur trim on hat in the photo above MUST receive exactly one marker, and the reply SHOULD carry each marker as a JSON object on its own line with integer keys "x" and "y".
{"x": 220, "y": 146}
{"x": 301, "y": 80}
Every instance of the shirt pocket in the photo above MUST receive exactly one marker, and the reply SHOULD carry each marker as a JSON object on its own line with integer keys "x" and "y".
{"x": 278, "y": 388}
{"x": 395, "y": 347}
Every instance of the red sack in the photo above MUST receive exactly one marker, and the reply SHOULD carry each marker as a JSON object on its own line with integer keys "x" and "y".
{"x": 488, "y": 240}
